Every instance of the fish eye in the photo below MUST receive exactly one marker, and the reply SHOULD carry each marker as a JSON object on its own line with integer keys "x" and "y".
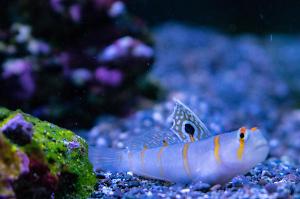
{"x": 242, "y": 134}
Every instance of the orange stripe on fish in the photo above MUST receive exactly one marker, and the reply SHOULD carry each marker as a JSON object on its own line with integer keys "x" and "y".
{"x": 161, "y": 169}
{"x": 143, "y": 156}
{"x": 217, "y": 148}
{"x": 185, "y": 159}
{"x": 253, "y": 129}
{"x": 192, "y": 138}
{"x": 240, "y": 150}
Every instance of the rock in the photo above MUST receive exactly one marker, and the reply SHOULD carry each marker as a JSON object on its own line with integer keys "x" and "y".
{"x": 133, "y": 184}
{"x": 283, "y": 195}
{"x": 215, "y": 187}
{"x": 292, "y": 177}
{"x": 271, "y": 188}
{"x": 266, "y": 173}
{"x": 262, "y": 182}
{"x": 239, "y": 181}
{"x": 18, "y": 130}
{"x": 41, "y": 160}
{"x": 200, "y": 186}
{"x": 13, "y": 163}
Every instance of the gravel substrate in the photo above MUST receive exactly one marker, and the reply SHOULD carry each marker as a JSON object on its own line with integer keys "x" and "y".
{"x": 228, "y": 82}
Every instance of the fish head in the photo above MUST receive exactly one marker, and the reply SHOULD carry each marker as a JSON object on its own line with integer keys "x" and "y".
{"x": 244, "y": 148}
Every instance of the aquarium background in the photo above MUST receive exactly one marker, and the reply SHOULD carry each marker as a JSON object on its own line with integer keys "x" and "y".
{"x": 255, "y": 16}
{"x": 109, "y": 70}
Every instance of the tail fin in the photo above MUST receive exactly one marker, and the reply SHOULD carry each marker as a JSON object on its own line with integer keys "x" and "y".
{"x": 108, "y": 159}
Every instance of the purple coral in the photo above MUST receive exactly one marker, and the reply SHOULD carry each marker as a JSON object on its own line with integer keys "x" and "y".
{"x": 36, "y": 47}
{"x": 23, "y": 32}
{"x": 126, "y": 47}
{"x": 80, "y": 76}
{"x": 24, "y": 166}
{"x": 73, "y": 145}
{"x": 15, "y": 67}
{"x": 75, "y": 12}
{"x": 56, "y": 5}
{"x": 22, "y": 70}
{"x": 117, "y": 9}
{"x": 109, "y": 77}
{"x": 72, "y": 63}
{"x": 18, "y": 130}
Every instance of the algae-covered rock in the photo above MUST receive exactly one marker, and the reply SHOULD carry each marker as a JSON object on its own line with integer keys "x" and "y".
{"x": 41, "y": 160}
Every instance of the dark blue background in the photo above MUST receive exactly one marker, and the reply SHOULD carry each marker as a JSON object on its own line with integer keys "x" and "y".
{"x": 258, "y": 16}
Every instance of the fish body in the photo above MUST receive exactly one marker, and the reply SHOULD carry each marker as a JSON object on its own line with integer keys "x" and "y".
{"x": 194, "y": 155}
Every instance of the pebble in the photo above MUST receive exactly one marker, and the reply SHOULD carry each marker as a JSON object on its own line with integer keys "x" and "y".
{"x": 185, "y": 190}
{"x": 133, "y": 184}
{"x": 239, "y": 181}
{"x": 215, "y": 187}
{"x": 200, "y": 186}
{"x": 266, "y": 173}
{"x": 271, "y": 188}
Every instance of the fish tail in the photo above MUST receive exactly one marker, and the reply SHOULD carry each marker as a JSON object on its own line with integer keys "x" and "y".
{"x": 107, "y": 159}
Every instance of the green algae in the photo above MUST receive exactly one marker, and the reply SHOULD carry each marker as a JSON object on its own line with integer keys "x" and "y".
{"x": 9, "y": 166}
{"x": 50, "y": 146}
{"x": 4, "y": 113}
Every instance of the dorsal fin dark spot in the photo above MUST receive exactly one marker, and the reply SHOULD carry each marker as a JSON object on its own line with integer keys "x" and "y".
{"x": 189, "y": 129}
{"x": 165, "y": 143}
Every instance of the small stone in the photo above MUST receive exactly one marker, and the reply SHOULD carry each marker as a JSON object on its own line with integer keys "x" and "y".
{"x": 130, "y": 173}
{"x": 292, "y": 177}
{"x": 283, "y": 195}
{"x": 196, "y": 195}
{"x": 117, "y": 193}
{"x": 297, "y": 188}
{"x": 215, "y": 187}
{"x": 107, "y": 190}
{"x": 239, "y": 181}
{"x": 271, "y": 188}
{"x": 185, "y": 190}
{"x": 200, "y": 186}
{"x": 266, "y": 173}
{"x": 149, "y": 194}
{"x": 100, "y": 176}
{"x": 262, "y": 182}
{"x": 133, "y": 184}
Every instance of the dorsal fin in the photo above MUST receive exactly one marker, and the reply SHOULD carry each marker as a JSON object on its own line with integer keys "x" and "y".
{"x": 152, "y": 140}
{"x": 186, "y": 125}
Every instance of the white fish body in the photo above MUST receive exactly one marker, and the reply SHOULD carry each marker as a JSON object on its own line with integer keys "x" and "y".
{"x": 194, "y": 155}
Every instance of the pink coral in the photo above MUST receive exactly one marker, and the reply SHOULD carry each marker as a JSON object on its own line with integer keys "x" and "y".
{"x": 110, "y": 77}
